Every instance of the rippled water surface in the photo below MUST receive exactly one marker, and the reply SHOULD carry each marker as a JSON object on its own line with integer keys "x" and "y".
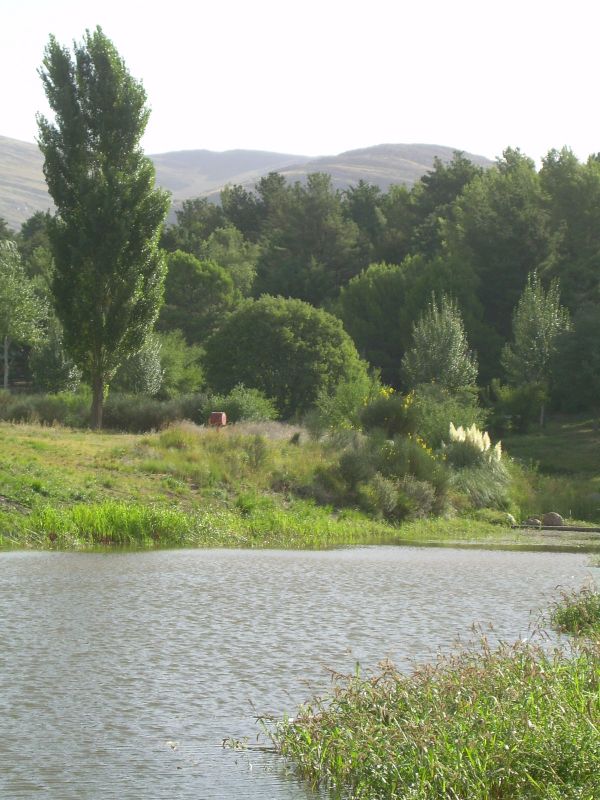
{"x": 120, "y": 674}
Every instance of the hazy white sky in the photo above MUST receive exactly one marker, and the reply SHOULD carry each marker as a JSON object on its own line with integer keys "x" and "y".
{"x": 323, "y": 76}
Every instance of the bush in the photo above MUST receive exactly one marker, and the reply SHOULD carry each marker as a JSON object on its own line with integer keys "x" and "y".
{"x": 285, "y": 348}
{"x": 470, "y": 447}
{"x": 342, "y": 409}
{"x": 390, "y": 412}
{"x": 138, "y": 413}
{"x": 244, "y": 405}
{"x": 486, "y": 485}
{"x": 433, "y": 408}
{"x": 380, "y": 497}
{"x": 409, "y": 455}
{"x": 64, "y": 408}
{"x": 358, "y": 462}
{"x": 420, "y": 497}
{"x": 516, "y": 408}
{"x": 392, "y": 478}
{"x": 396, "y": 500}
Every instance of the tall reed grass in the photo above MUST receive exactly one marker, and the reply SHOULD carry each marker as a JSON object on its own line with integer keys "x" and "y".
{"x": 510, "y": 723}
{"x": 577, "y": 612}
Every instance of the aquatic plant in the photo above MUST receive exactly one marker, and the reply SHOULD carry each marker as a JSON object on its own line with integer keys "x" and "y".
{"x": 577, "y": 611}
{"x": 505, "y": 723}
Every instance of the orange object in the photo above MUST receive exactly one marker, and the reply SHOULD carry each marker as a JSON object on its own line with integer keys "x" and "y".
{"x": 217, "y": 419}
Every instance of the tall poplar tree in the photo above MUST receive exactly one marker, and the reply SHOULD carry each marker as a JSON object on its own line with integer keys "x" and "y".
{"x": 538, "y": 322}
{"x": 109, "y": 274}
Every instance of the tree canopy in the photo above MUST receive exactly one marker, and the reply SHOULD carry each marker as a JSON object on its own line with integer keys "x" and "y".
{"x": 198, "y": 296}
{"x": 285, "y": 348}
{"x": 440, "y": 352}
{"x": 538, "y": 320}
{"x": 20, "y": 309}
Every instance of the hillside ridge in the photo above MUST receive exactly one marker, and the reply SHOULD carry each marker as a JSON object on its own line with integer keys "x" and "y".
{"x": 196, "y": 173}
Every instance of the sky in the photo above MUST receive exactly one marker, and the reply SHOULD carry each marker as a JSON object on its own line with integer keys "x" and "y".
{"x": 320, "y": 77}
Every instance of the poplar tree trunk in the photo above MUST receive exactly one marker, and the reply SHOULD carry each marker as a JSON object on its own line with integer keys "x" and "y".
{"x": 97, "y": 402}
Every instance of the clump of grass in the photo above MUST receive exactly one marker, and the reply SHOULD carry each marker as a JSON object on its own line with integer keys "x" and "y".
{"x": 254, "y": 521}
{"x": 111, "y": 523}
{"x": 506, "y": 723}
{"x": 577, "y": 612}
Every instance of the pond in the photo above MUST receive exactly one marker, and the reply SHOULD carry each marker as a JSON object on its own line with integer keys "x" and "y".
{"x": 121, "y": 673}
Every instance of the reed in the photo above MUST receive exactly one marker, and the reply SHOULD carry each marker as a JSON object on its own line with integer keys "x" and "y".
{"x": 577, "y": 612}
{"x": 514, "y": 722}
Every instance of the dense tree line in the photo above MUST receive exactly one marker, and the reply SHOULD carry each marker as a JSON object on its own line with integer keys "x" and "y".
{"x": 374, "y": 259}
{"x": 487, "y": 277}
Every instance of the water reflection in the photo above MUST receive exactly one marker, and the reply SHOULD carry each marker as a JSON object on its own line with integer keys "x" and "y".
{"x": 121, "y": 673}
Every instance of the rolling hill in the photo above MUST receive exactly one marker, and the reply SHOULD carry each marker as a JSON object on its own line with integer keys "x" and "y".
{"x": 194, "y": 173}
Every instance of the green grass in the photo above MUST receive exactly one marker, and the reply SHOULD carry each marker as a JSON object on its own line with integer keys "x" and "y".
{"x": 577, "y": 612}
{"x": 558, "y": 469}
{"x": 564, "y": 446}
{"x": 485, "y": 724}
{"x": 249, "y": 485}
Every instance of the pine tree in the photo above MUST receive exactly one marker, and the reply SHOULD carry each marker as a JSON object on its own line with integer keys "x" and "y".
{"x": 440, "y": 352}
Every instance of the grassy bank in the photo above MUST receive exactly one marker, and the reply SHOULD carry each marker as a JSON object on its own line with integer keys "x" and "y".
{"x": 249, "y": 485}
{"x": 560, "y": 468}
{"x": 62, "y": 488}
{"x": 508, "y": 723}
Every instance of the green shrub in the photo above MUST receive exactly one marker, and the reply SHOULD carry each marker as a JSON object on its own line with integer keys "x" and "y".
{"x": 343, "y": 407}
{"x": 577, "y": 611}
{"x": 516, "y": 408}
{"x": 380, "y": 497}
{"x": 358, "y": 462}
{"x": 396, "y": 500}
{"x": 409, "y": 455}
{"x": 138, "y": 413}
{"x": 389, "y": 412}
{"x": 420, "y": 498}
{"x": 64, "y": 408}
{"x": 486, "y": 485}
{"x": 433, "y": 408}
{"x": 243, "y": 404}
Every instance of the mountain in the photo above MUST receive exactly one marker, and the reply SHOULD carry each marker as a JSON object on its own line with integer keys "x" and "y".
{"x": 22, "y": 185}
{"x": 194, "y": 173}
{"x": 383, "y": 164}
